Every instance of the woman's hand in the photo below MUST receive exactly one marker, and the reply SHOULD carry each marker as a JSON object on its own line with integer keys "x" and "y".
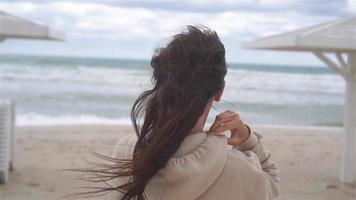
{"x": 230, "y": 120}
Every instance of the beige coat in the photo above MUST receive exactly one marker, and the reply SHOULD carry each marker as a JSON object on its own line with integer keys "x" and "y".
{"x": 205, "y": 167}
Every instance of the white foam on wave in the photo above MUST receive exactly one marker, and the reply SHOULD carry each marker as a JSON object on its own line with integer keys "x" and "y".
{"x": 285, "y": 82}
{"x": 81, "y": 74}
{"x": 248, "y": 86}
{"x": 138, "y": 78}
{"x": 75, "y": 88}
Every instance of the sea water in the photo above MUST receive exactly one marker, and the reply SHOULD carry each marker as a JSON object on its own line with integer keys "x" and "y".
{"x": 72, "y": 90}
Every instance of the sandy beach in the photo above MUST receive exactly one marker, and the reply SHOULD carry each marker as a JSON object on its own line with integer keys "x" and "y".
{"x": 308, "y": 158}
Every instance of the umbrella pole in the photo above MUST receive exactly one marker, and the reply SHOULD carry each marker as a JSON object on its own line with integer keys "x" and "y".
{"x": 348, "y": 162}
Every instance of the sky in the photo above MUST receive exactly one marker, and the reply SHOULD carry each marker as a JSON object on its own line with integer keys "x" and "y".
{"x": 132, "y": 28}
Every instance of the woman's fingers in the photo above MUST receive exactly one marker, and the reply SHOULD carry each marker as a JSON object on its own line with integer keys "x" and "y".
{"x": 229, "y": 125}
{"x": 233, "y": 140}
{"x": 223, "y": 118}
{"x": 230, "y": 120}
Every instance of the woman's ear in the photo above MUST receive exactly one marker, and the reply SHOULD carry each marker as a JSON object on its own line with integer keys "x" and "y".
{"x": 217, "y": 97}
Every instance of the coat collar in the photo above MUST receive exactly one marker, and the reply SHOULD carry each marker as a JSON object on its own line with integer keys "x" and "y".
{"x": 190, "y": 143}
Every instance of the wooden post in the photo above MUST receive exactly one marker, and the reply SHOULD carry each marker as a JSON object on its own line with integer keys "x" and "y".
{"x": 348, "y": 159}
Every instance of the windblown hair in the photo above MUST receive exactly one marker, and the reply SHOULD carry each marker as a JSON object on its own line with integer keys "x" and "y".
{"x": 187, "y": 73}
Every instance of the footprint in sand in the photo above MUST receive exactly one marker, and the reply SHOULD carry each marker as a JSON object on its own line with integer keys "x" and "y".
{"x": 33, "y": 184}
{"x": 332, "y": 186}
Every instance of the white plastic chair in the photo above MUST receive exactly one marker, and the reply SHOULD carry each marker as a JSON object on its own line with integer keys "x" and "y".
{"x": 6, "y": 139}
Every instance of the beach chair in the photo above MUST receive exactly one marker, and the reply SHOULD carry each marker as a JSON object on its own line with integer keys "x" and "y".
{"x": 6, "y": 139}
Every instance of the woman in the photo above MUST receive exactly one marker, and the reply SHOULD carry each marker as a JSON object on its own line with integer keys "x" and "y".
{"x": 172, "y": 157}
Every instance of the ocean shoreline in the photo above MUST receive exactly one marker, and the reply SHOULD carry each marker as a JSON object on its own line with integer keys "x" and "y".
{"x": 103, "y": 90}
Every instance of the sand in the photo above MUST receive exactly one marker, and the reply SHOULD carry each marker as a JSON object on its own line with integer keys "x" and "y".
{"x": 308, "y": 158}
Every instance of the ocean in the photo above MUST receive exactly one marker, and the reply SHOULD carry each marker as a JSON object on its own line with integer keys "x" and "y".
{"x": 72, "y": 90}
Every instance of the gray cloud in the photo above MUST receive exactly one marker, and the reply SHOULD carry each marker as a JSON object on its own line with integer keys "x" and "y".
{"x": 95, "y": 20}
{"x": 116, "y": 27}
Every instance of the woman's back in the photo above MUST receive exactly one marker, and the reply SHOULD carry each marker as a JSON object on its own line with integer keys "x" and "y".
{"x": 204, "y": 167}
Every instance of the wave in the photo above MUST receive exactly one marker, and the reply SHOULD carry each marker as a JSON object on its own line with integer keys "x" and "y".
{"x": 81, "y": 89}
{"x": 134, "y": 78}
{"x": 279, "y": 82}
{"x": 79, "y": 74}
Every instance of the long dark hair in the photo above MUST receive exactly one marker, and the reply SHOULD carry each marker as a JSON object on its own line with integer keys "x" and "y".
{"x": 187, "y": 73}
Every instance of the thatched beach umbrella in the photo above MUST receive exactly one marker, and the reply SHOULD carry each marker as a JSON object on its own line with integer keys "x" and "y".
{"x": 15, "y": 27}
{"x": 339, "y": 38}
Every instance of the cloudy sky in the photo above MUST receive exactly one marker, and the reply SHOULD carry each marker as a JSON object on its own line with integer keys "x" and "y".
{"x": 132, "y": 28}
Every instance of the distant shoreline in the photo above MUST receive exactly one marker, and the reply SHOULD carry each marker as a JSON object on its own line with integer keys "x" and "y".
{"x": 148, "y": 60}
